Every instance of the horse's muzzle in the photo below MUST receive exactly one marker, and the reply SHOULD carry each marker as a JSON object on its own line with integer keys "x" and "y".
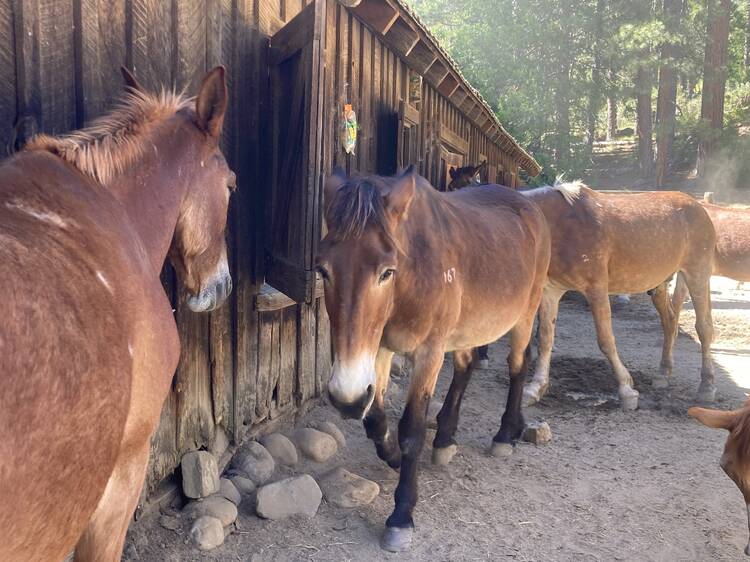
{"x": 357, "y": 409}
{"x": 212, "y": 296}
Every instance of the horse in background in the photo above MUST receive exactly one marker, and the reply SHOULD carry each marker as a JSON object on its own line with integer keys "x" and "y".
{"x": 402, "y": 275}
{"x": 615, "y": 243}
{"x": 88, "y": 339}
{"x": 468, "y": 175}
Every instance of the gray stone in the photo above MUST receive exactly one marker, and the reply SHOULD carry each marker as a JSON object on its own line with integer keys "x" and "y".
{"x": 200, "y": 474}
{"x": 229, "y": 491}
{"x": 255, "y": 462}
{"x": 207, "y": 532}
{"x": 432, "y": 411}
{"x": 244, "y": 486}
{"x": 344, "y": 489}
{"x": 299, "y": 495}
{"x": 281, "y": 448}
{"x": 214, "y": 506}
{"x": 537, "y": 433}
{"x": 332, "y": 429}
{"x": 220, "y": 443}
{"x": 315, "y": 444}
{"x": 169, "y": 522}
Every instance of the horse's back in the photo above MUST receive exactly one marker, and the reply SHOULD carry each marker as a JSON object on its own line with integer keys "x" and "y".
{"x": 66, "y": 362}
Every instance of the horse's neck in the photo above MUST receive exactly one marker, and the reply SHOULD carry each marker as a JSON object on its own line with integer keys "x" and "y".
{"x": 151, "y": 191}
{"x": 428, "y": 227}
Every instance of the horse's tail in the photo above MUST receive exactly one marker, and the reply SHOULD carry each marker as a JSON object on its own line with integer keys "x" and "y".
{"x": 570, "y": 190}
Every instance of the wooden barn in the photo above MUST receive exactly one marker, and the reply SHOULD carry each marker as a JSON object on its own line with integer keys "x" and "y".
{"x": 293, "y": 67}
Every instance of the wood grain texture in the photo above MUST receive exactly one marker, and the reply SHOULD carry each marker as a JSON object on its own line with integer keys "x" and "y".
{"x": 152, "y": 49}
{"x": 7, "y": 78}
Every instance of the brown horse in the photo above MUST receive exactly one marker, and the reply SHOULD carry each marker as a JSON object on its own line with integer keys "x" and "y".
{"x": 610, "y": 243}
{"x": 402, "y": 274}
{"x": 468, "y": 175}
{"x": 88, "y": 341}
{"x": 736, "y": 458}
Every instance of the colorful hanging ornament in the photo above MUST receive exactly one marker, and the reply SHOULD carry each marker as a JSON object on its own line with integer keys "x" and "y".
{"x": 349, "y": 129}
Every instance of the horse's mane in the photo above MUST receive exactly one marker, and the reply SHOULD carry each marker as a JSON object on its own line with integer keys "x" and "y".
{"x": 112, "y": 142}
{"x": 570, "y": 191}
{"x": 356, "y": 205}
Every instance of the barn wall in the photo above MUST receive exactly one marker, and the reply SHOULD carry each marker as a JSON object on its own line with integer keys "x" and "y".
{"x": 59, "y": 68}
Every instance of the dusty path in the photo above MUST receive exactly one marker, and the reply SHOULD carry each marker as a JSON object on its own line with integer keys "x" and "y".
{"x": 612, "y": 485}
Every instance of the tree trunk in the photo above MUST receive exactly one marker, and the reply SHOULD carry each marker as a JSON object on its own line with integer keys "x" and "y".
{"x": 643, "y": 121}
{"x": 611, "y": 117}
{"x": 746, "y": 59}
{"x": 667, "y": 98}
{"x": 714, "y": 80}
{"x": 596, "y": 80}
{"x": 562, "y": 114}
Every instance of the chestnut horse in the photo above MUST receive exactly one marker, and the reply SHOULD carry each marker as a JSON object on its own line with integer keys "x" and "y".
{"x": 732, "y": 253}
{"x": 614, "y": 243}
{"x": 736, "y": 458}
{"x": 88, "y": 342}
{"x": 402, "y": 274}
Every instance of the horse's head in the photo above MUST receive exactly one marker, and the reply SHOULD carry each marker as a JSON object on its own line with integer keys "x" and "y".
{"x": 468, "y": 175}
{"x": 359, "y": 260}
{"x": 736, "y": 458}
{"x": 198, "y": 251}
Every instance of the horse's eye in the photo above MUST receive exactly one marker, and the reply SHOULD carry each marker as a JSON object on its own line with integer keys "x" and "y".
{"x": 387, "y": 274}
{"x": 323, "y": 272}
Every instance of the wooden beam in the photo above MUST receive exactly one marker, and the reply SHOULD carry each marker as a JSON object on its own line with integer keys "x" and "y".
{"x": 448, "y": 85}
{"x": 459, "y": 96}
{"x": 421, "y": 57}
{"x": 454, "y": 141}
{"x": 402, "y": 37}
{"x": 436, "y": 73}
{"x": 379, "y": 15}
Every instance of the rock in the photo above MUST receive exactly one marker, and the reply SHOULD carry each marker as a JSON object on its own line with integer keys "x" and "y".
{"x": 207, "y": 532}
{"x": 244, "y": 486}
{"x": 229, "y": 491}
{"x": 299, "y": 495}
{"x": 255, "y": 462}
{"x": 220, "y": 444}
{"x": 200, "y": 474}
{"x": 332, "y": 429}
{"x": 432, "y": 411}
{"x": 315, "y": 444}
{"x": 215, "y": 506}
{"x": 171, "y": 523}
{"x": 281, "y": 448}
{"x": 537, "y": 433}
{"x": 344, "y": 489}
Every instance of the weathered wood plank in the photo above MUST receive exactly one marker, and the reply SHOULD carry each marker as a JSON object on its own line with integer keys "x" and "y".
{"x": 306, "y": 366}
{"x": 152, "y": 43}
{"x": 364, "y": 113}
{"x": 287, "y": 360}
{"x": 7, "y": 79}
{"x": 402, "y": 37}
{"x": 421, "y": 57}
{"x": 56, "y": 45}
{"x": 190, "y": 41}
{"x": 323, "y": 358}
{"x": 267, "y": 346}
{"x": 380, "y": 15}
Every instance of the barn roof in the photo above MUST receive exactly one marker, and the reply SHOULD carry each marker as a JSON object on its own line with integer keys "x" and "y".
{"x": 402, "y": 30}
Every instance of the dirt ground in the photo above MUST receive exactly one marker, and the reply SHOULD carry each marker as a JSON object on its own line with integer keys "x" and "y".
{"x": 612, "y": 485}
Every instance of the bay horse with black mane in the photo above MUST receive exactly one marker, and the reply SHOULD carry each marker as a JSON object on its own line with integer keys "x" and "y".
{"x": 88, "y": 341}
{"x": 402, "y": 274}
{"x": 615, "y": 243}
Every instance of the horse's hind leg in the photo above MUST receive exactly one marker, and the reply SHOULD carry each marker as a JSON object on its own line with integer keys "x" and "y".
{"x": 103, "y": 539}
{"x": 444, "y": 447}
{"x": 663, "y": 305}
{"x": 678, "y": 298}
{"x": 512, "y": 423}
{"x": 599, "y": 302}
{"x": 700, "y": 293}
{"x": 548, "y": 307}
{"x": 376, "y": 422}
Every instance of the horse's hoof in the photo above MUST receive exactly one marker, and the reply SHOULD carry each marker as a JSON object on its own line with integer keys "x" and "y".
{"x": 629, "y": 403}
{"x": 483, "y": 364}
{"x": 443, "y": 455}
{"x": 660, "y": 382}
{"x": 396, "y": 539}
{"x": 529, "y": 398}
{"x": 502, "y": 450}
{"x": 706, "y": 394}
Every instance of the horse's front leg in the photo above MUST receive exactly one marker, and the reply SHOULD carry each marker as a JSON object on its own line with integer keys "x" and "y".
{"x": 411, "y": 436}
{"x": 376, "y": 421}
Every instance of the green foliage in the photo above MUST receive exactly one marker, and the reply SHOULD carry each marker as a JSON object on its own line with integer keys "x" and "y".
{"x": 538, "y": 60}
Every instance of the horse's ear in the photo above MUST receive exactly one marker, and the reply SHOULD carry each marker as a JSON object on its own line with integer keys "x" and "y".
{"x": 211, "y": 104}
{"x": 452, "y": 172}
{"x": 332, "y": 184}
{"x": 399, "y": 195}
{"x": 716, "y": 419}
{"x": 130, "y": 81}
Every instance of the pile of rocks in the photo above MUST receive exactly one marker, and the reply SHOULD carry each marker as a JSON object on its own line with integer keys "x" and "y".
{"x": 214, "y": 499}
